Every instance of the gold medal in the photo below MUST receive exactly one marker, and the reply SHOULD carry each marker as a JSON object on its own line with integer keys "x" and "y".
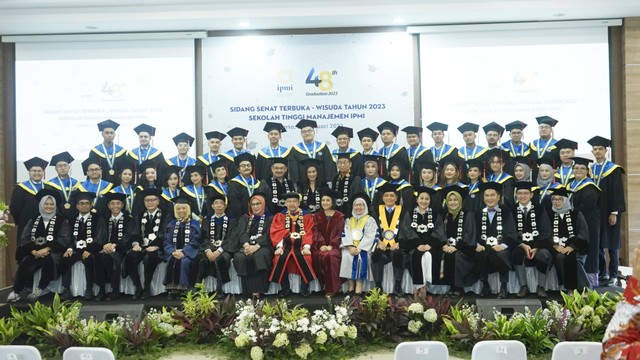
{"x": 112, "y": 172}
{"x": 67, "y": 206}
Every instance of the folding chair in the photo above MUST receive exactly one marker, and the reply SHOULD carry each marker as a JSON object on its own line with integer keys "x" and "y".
{"x": 499, "y": 350}
{"x": 577, "y": 350}
{"x": 428, "y": 350}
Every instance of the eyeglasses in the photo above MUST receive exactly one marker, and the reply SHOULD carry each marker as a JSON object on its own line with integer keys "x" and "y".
{"x": 150, "y": 200}
{"x": 244, "y": 165}
{"x": 94, "y": 170}
{"x": 307, "y": 131}
{"x": 256, "y": 204}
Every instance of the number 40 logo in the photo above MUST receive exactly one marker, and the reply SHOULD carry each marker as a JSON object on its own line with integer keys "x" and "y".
{"x": 322, "y": 81}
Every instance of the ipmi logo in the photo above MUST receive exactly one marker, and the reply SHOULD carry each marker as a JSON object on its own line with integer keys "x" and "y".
{"x": 284, "y": 80}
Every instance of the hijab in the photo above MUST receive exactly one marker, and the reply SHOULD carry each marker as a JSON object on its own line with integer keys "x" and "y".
{"x": 366, "y": 208}
{"x": 45, "y": 216}
{"x": 455, "y": 212}
{"x": 566, "y": 206}
{"x": 542, "y": 183}
{"x": 260, "y": 198}
{"x": 527, "y": 171}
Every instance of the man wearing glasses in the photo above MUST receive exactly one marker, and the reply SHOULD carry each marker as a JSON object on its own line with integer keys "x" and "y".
{"x": 94, "y": 183}
{"x": 310, "y": 149}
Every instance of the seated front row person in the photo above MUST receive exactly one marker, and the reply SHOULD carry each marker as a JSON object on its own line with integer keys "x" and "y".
{"x": 42, "y": 243}
{"x": 292, "y": 237}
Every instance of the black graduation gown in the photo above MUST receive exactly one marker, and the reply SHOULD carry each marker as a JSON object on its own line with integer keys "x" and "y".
{"x": 404, "y": 237}
{"x": 473, "y": 201}
{"x": 141, "y": 233}
{"x": 298, "y": 154}
{"x": 586, "y": 199}
{"x": 544, "y": 239}
{"x": 433, "y": 236}
{"x": 111, "y": 264}
{"x": 612, "y": 199}
{"x": 213, "y": 238}
{"x": 346, "y": 190}
{"x": 238, "y": 196}
{"x": 30, "y": 241}
{"x": 570, "y": 272}
{"x": 23, "y": 206}
{"x": 399, "y": 155}
{"x": 458, "y": 267}
{"x": 406, "y": 197}
{"x": 274, "y": 202}
{"x": 489, "y": 260}
{"x": 121, "y": 156}
{"x": 262, "y": 259}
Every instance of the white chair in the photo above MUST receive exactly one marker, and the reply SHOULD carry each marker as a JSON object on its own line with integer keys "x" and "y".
{"x": 19, "y": 352}
{"x": 577, "y": 350}
{"x": 499, "y": 350}
{"x": 428, "y": 350}
{"x": 88, "y": 353}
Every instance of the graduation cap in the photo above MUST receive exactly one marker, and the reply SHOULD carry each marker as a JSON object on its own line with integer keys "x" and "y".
{"x": 78, "y": 195}
{"x": 388, "y": 125}
{"x": 499, "y": 153}
{"x": 493, "y": 126}
{"x": 468, "y": 127}
{"x": 306, "y": 123}
{"x": 581, "y": 161}
{"x": 279, "y": 160}
{"x": 546, "y": 160}
{"x": 566, "y": 144}
{"x": 368, "y": 133}
{"x": 167, "y": 171}
{"x": 270, "y": 126}
{"x": 425, "y": 164}
{"x": 344, "y": 155}
{"x": 291, "y": 195}
{"x": 147, "y": 164}
{"x": 63, "y": 156}
{"x": 462, "y": 191}
{"x": 329, "y": 192}
{"x": 195, "y": 168}
{"x": 183, "y": 198}
{"x": 112, "y": 195}
{"x": 244, "y": 157}
{"x": 343, "y": 130}
{"x": 217, "y": 196}
{"x": 422, "y": 189}
{"x": 412, "y": 130}
{"x": 236, "y": 131}
{"x": 222, "y": 162}
{"x": 124, "y": 165}
{"x": 546, "y": 120}
{"x": 183, "y": 137}
{"x": 309, "y": 162}
{"x": 525, "y": 185}
{"x": 145, "y": 128}
{"x": 523, "y": 160}
{"x": 399, "y": 163}
{"x": 599, "y": 141}
{"x": 90, "y": 161}
{"x": 387, "y": 187}
{"x": 362, "y": 196}
{"x": 515, "y": 125}
{"x": 561, "y": 191}
{"x": 108, "y": 124}
{"x": 149, "y": 192}
{"x": 375, "y": 158}
{"x": 35, "y": 161}
{"x": 491, "y": 185}
{"x": 438, "y": 126}
{"x": 450, "y": 159}
{"x": 48, "y": 192}
{"x": 215, "y": 135}
{"x": 475, "y": 163}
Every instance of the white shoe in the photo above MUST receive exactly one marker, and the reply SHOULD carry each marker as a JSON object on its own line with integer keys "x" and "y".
{"x": 13, "y": 297}
{"x": 35, "y": 294}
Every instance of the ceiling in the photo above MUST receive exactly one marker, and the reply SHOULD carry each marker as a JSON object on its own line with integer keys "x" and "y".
{"x": 21, "y": 17}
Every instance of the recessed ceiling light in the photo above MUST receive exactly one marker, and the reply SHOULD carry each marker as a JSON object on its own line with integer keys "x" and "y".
{"x": 244, "y": 24}
{"x": 558, "y": 14}
{"x": 398, "y": 20}
{"x": 91, "y": 27}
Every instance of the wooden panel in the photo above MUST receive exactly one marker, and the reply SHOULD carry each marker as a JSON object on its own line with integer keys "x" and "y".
{"x": 634, "y": 241}
{"x": 632, "y": 40}
{"x": 632, "y": 92}
{"x": 633, "y": 147}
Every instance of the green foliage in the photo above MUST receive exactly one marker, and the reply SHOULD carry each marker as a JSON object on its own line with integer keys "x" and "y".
{"x": 377, "y": 318}
{"x": 9, "y": 330}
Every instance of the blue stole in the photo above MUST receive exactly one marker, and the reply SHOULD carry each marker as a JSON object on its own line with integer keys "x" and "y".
{"x": 472, "y": 153}
{"x": 541, "y": 147}
{"x": 31, "y": 187}
{"x": 413, "y": 153}
{"x": 66, "y": 186}
{"x": 233, "y": 152}
{"x": 516, "y": 150}
{"x": 599, "y": 172}
{"x": 268, "y": 152}
{"x": 442, "y": 152}
{"x": 144, "y": 154}
{"x": 219, "y": 187}
{"x": 130, "y": 192}
{"x": 101, "y": 188}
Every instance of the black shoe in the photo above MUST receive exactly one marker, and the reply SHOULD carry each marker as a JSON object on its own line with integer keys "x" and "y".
{"x": 486, "y": 289}
{"x": 503, "y": 291}
{"x": 397, "y": 289}
{"x": 113, "y": 296}
{"x": 171, "y": 296}
{"x": 88, "y": 294}
{"x": 524, "y": 290}
{"x": 137, "y": 295}
{"x": 146, "y": 293}
{"x": 304, "y": 291}
{"x": 284, "y": 292}
{"x": 455, "y": 293}
{"x": 541, "y": 293}
{"x": 379, "y": 286}
{"x": 101, "y": 295}
{"x": 65, "y": 295}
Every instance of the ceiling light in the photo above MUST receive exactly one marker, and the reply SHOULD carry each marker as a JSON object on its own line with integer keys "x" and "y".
{"x": 91, "y": 27}
{"x": 558, "y": 14}
{"x": 244, "y": 24}
{"x": 398, "y": 20}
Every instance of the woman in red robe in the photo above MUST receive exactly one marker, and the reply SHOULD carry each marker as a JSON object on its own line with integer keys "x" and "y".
{"x": 292, "y": 236}
{"x": 327, "y": 235}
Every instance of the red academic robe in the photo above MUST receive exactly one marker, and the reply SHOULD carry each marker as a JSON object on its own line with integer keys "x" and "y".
{"x": 292, "y": 260}
{"x": 622, "y": 338}
{"x": 327, "y": 264}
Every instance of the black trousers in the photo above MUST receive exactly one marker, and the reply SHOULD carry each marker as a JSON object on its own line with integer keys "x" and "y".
{"x": 380, "y": 258}
{"x": 92, "y": 273}
{"x": 150, "y": 259}
{"x": 490, "y": 261}
{"x": 111, "y": 266}
{"x": 28, "y": 266}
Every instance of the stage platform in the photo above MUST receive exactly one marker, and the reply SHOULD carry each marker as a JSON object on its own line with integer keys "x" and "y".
{"x": 313, "y": 302}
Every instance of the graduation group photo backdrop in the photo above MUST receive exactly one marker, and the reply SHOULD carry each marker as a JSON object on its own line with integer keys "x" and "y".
{"x": 354, "y": 80}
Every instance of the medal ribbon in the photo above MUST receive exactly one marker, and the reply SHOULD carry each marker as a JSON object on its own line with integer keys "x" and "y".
{"x": 386, "y": 225}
